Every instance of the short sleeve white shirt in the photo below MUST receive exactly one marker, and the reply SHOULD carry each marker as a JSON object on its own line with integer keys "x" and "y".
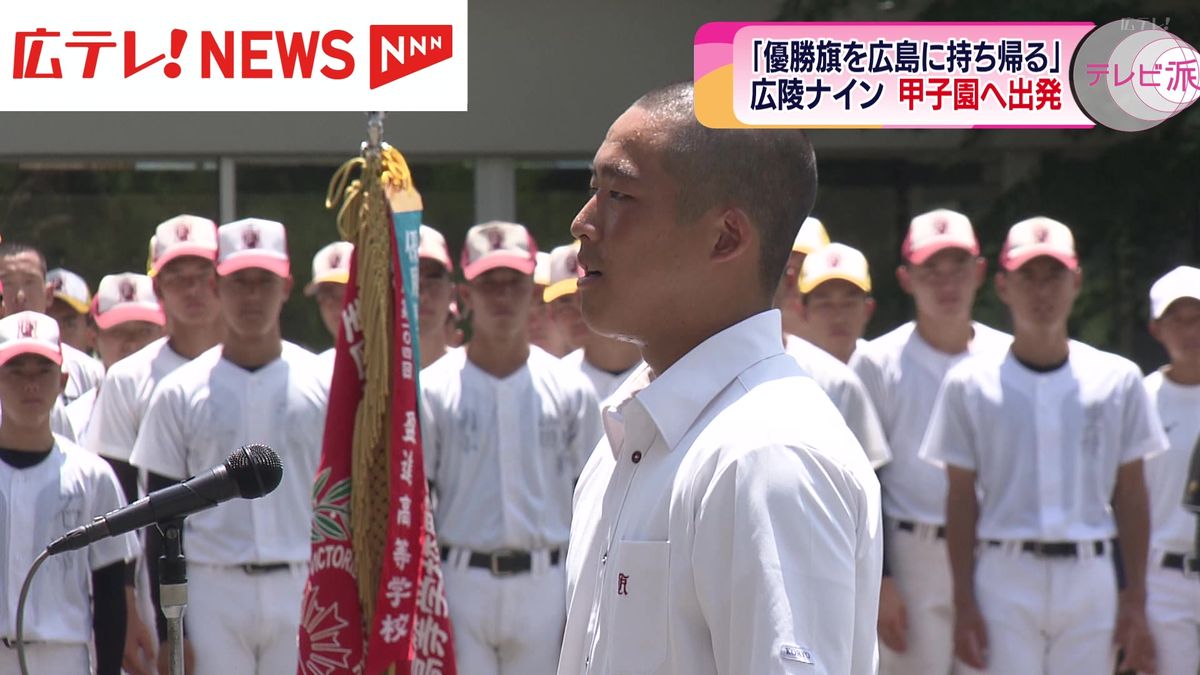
{"x": 38, "y": 504}
{"x": 504, "y": 453}
{"x": 1045, "y": 447}
{"x": 1172, "y": 527}
{"x": 727, "y": 523}
{"x": 208, "y": 408}
{"x": 122, "y": 401}
{"x": 903, "y": 374}
{"x": 848, "y": 394}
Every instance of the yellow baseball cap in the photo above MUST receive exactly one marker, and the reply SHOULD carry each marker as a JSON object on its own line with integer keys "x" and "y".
{"x": 812, "y": 236}
{"x": 835, "y": 261}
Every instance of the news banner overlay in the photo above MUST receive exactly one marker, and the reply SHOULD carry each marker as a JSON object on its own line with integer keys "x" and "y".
{"x": 941, "y": 75}
{"x": 238, "y": 56}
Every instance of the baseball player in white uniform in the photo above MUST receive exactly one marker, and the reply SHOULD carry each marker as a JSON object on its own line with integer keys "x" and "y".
{"x": 23, "y": 273}
{"x": 437, "y": 293}
{"x": 505, "y": 428}
{"x": 812, "y": 236}
{"x": 127, "y": 317}
{"x": 247, "y": 559}
{"x": 1173, "y": 572}
{"x": 49, "y": 485}
{"x": 903, "y": 371}
{"x": 330, "y": 273}
{"x": 606, "y": 362}
{"x": 728, "y": 522}
{"x": 835, "y": 287}
{"x": 183, "y": 251}
{"x": 69, "y": 307}
{"x": 1043, "y": 449}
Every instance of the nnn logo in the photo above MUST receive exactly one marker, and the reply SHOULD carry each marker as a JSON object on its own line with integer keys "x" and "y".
{"x": 397, "y": 51}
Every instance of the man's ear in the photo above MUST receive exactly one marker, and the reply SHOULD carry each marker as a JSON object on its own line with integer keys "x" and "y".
{"x": 734, "y": 234}
{"x": 904, "y": 278}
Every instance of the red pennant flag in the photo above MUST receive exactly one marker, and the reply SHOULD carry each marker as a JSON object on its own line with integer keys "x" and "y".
{"x": 406, "y": 629}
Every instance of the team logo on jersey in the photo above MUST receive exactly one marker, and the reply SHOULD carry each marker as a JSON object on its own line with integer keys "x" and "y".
{"x": 26, "y": 328}
{"x": 250, "y": 237}
{"x": 495, "y": 239}
{"x": 183, "y": 231}
{"x": 127, "y": 291}
{"x": 622, "y": 584}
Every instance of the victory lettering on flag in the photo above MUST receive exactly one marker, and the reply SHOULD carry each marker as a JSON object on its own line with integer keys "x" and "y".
{"x": 375, "y": 601}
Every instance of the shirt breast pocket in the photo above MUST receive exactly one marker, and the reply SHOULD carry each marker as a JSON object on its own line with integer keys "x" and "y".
{"x": 639, "y": 617}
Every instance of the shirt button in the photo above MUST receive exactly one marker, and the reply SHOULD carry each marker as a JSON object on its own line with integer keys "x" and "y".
{"x": 637, "y": 456}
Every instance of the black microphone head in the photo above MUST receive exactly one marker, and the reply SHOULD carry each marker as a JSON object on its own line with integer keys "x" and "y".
{"x": 255, "y": 469}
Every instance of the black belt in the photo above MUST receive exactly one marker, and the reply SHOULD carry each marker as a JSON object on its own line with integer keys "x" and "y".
{"x": 264, "y": 568}
{"x": 506, "y": 562}
{"x": 910, "y": 526}
{"x": 1056, "y": 549}
{"x": 1181, "y": 562}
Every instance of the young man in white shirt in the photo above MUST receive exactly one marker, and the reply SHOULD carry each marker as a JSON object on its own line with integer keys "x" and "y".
{"x": 903, "y": 370}
{"x": 1173, "y": 594}
{"x": 127, "y": 317}
{"x": 48, "y": 486}
{"x": 23, "y": 274}
{"x": 835, "y": 287}
{"x": 69, "y": 307}
{"x": 729, "y": 521}
{"x": 1043, "y": 449}
{"x": 183, "y": 252}
{"x": 506, "y": 428}
{"x": 248, "y": 559}
{"x": 835, "y": 378}
{"x": 606, "y": 362}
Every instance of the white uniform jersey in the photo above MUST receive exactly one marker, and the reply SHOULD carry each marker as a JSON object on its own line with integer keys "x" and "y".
{"x": 79, "y": 415}
{"x": 1045, "y": 446}
{"x": 1172, "y": 527}
{"x": 903, "y": 374}
{"x": 38, "y": 504}
{"x": 727, "y": 523}
{"x": 504, "y": 454}
{"x": 84, "y": 373}
{"x": 603, "y": 382}
{"x": 848, "y": 394}
{"x": 122, "y": 401}
{"x": 208, "y": 408}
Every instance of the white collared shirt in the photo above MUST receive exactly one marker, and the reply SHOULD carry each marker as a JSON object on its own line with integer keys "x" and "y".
{"x": 603, "y": 382}
{"x": 1173, "y": 528}
{"x": 848, "y": 394}
{"x": 903, "y": 374}
{"x": 208, "y": 408}
{"x": 39, "y": 504}
{"x": 504, "y": 453}
{"x": 1045, "y": 447}
{"x": 123, "y": 398}
{"x": 727, "y": 523}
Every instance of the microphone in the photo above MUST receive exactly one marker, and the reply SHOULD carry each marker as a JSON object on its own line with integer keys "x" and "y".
{"x": 250, "y": 472}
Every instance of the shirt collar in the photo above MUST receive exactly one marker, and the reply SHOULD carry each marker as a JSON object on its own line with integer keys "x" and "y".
{"x": 675, "y": 398}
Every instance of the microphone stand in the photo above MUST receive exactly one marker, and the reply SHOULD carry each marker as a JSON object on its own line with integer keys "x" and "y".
{"x": 172, "y": 582}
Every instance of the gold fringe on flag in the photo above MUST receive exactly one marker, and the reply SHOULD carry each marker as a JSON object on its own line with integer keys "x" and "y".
{"x": 364, "y": 219}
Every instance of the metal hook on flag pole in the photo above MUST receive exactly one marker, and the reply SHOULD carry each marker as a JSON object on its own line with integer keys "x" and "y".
{"x": 374, "y": 145}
